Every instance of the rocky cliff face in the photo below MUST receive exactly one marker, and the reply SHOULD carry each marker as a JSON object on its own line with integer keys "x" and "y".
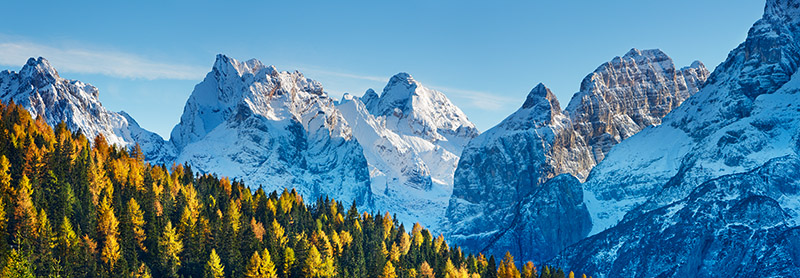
{"x": 412, "y": 138}
{"x": 500, "y": 170}
{"x": 737, "y": 225}
{"x": 272, "y": 129}
{"x": 39, "y": 88}
{"x": 629, "y": 93}
{"x": 716, "y": 182}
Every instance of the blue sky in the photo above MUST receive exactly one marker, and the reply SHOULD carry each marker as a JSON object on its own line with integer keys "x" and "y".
{"x": 146, "y": 57}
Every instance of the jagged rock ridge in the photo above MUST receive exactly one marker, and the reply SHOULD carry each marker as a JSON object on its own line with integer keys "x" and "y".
{"x": 39, "y": 88}
{"x": 412, "y": 138}
{"x": 272, "y": 129}
{"x": 715, "y": 186}
{"x": 505, "y": 171}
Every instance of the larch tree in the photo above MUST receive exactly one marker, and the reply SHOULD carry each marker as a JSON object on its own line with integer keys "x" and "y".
{"x": 67, "y": 239}
{"x": 288, "y": 261}
{"x": 267, "y": 267}
{"x": 108, "y": 230}
{"x": 425, "y": 270}
{"x": 137, "y": 223}
{"x": 24, "y": 211}
{"x": 260, "y": 266}
{"x": 312, "y": 262}
{"x": 529, "y": 270}
{"x": 388, "y": 270}
{"x": 252, "y": 269}
{"x": 214, "y": 267}
{"x": 170, "y": 247}
{"x": 507, "y": 267}
{"x": 5, "y": 178}
{"x": 17, "y": 266}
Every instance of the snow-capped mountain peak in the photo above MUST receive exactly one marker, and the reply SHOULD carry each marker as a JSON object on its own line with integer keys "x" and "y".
{"x": 228, "y": 65}
{"x": 39, "y": 88}
{"x": 716, "y": 183}
{"x": 272, "y": 128}
{"x": 396, "y": 98}
{"x": 412, "y": 108}
{"x": 412, "y": 138}
{"x": 39, "y": 71}
{"x": 542, "y": 103}
{"x": 515, "y": 169}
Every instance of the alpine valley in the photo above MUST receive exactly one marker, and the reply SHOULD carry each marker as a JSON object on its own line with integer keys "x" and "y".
{"x": 651, "y": 170}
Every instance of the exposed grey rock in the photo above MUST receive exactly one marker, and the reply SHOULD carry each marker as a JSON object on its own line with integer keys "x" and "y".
{"x": 499, "y": 168}
{"x": 412, "y": 138}
{"x": 629, "y": 93}
{"x": 737, "y": 225}
{"x": 39, "y": 89}
{"x": 272, "y": 129}
{"x": 713, "y": 191}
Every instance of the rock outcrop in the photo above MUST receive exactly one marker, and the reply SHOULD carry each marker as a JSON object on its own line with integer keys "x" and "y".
{"x": 713, "y": 190}
{"x": 39, "y": 88}
{"x": 272, "y": 129}
{"x": 412, "y": 138}
{"x": 500, "y": 170}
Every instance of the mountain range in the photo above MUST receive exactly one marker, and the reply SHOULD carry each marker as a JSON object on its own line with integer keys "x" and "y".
{"x": 649, "y": 170}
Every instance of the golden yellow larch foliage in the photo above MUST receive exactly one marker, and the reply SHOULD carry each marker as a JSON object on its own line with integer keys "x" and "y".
{"x": 258, "y": 229}
{"x": 108, "y": 229}
{"x": 387, "y": 225}
{"x": 388, "y": 271}
{"x": 529, "y": 270}
{"x": 416, "y": 234}
{"x": 24, "y": 211}
{"x": 425, "y": 270}
{"x": 137, "y": 223}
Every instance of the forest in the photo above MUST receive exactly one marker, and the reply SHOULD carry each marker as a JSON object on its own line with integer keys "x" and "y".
{"x": 74, "y": 207}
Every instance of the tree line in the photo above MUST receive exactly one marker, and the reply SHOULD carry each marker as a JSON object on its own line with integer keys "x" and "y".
{"x": 73, "y": 207}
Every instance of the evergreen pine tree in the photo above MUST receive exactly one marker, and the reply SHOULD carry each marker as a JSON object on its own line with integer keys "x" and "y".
{"x": 491, "y": 269}
{"x": 546, "y": 272}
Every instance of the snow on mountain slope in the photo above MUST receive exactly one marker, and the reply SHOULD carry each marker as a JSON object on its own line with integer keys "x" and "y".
{"x": 272, "y": 129}
{"x": 412, "y": 138}
{"x": 411, "y": 108}
{"x": 716, "y": 183}
{"x": 731, "y": 126}
{"x": 40, "y": 89}
{"x": 501, "y": 170}
{"x": 737, "y": 225}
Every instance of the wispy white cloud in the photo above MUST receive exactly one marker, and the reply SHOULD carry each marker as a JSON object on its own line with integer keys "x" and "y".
{"x": 110, "y": 63}
{"x": 480, "y": 100}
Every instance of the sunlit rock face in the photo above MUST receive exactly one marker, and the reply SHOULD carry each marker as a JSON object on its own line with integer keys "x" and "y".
{"x": 412, "y": 138}
{"x": 714, "y": 187}
{"x": 39, "y": 88}
{"x": 506, "y": 195}
{"x": 273, "y": 129}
